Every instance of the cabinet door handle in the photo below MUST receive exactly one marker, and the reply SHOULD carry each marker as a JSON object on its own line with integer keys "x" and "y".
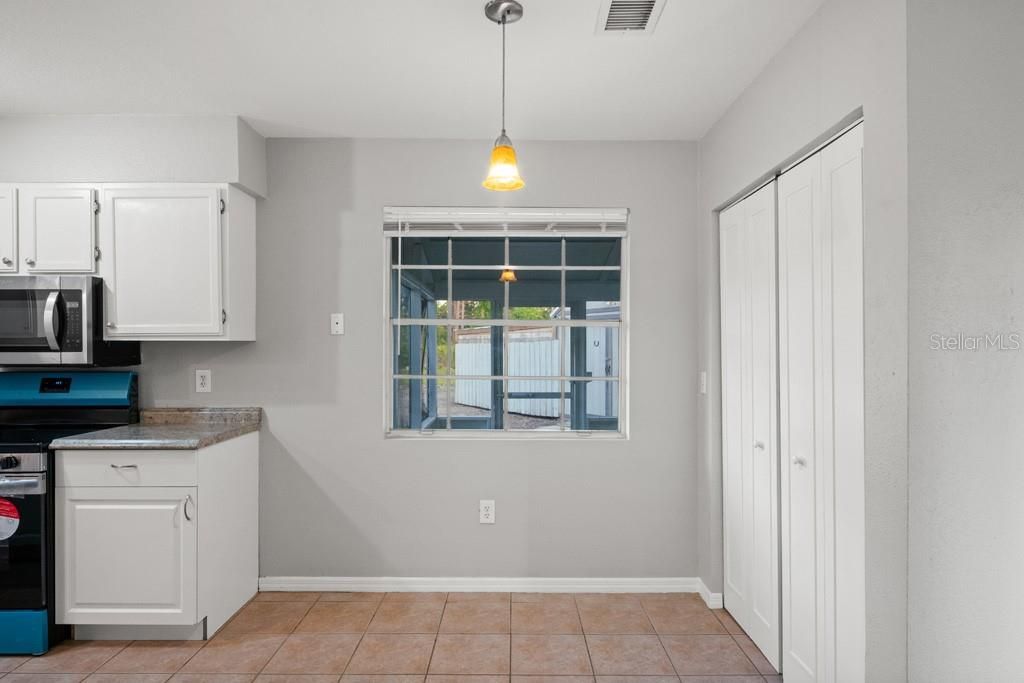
{"x": 30, "y": 261}
{"x": 759, "y": 445}
{"x": 7, "y": 261}
{"x": 799, "y": 462}
{"x": 124, "y": 467}
{"x": 184, "y": 507}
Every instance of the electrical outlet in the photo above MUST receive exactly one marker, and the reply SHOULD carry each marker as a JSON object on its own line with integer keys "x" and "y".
{"x": 204, "y": 381}
{"x": 337, "y": 323}
{"x": 487, "y": 512}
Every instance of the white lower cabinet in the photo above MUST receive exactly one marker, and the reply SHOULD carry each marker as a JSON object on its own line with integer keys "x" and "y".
{"x": 129, "y": 555}
{"x": 156, "y": 538}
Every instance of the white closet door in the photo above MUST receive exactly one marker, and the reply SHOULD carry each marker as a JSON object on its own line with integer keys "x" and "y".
{"x": 821, "y": 414}
{"x": 842, "y": 208}
{"x": 750, "y": 456}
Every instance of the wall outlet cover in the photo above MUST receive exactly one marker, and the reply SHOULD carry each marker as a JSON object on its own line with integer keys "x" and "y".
{"x": 487, "y": 512}
{"x": 204, "y": 381}
{"x": 337, "y": 323}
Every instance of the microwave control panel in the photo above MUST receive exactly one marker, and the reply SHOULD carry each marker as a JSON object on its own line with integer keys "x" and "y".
{"x": 72, "y": 335}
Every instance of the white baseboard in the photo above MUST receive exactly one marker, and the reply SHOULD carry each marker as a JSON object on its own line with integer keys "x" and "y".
{"x": 712, "y": 600}
{"x": 467, "y": 584}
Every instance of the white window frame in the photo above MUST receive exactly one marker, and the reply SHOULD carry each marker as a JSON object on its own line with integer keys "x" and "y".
{"x": 506, "y": 222}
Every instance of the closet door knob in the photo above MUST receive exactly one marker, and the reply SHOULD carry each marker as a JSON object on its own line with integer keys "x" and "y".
{"x": 799, "y": 462}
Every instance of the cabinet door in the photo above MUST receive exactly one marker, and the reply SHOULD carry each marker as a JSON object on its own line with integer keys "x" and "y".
{"x": 126, "y": 555}
{"x": 8, "y": 229}
{"x": 58, "y": 229}
{"x": 162, "y": 261}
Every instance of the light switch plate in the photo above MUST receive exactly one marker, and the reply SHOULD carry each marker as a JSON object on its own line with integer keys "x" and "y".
{"x": 703, "y": 381}
{"x": 337, "y": 323}
{"x": 204, "y": 381}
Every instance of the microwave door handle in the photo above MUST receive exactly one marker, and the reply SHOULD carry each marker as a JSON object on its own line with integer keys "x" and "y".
{"x": 51, "y": 321}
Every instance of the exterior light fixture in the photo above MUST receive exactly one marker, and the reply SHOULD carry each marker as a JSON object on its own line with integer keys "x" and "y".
{"x": 507, "y": 275}
{"x": 503, "y": 174}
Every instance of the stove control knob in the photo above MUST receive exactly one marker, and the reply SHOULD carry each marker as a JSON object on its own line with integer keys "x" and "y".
{"x": 9, "y": 462}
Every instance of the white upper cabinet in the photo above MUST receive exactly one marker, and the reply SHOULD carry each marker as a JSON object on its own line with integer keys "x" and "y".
{"x": 57, "y": 226}
{"x": 178, "y": 262}
{"x": 8, "y": 229}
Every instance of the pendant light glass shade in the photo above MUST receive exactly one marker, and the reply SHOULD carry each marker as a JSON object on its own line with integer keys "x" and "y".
{"x": 503, "y": 174}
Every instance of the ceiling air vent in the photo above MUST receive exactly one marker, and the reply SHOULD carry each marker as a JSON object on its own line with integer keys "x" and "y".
{"x": 625, "y": 17}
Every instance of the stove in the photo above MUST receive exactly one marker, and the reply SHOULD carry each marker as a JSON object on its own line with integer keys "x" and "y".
{"x": 35, "y": 409}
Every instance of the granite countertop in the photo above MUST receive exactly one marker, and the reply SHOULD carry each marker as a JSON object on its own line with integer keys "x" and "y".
{"x": 170, "y": 428}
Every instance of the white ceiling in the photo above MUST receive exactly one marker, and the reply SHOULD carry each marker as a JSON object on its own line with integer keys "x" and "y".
{"x": 394, "y": 68}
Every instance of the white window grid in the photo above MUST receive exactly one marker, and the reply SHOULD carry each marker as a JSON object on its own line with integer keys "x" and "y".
{"x": 394, "y": 234}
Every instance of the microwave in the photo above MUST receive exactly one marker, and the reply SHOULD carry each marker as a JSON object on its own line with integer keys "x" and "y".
{"x": 57, "y": 320}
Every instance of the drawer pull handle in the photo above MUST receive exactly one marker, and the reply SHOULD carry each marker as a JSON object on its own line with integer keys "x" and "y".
{"x": 124, "y": 467}
{"x": 184, "y": 507}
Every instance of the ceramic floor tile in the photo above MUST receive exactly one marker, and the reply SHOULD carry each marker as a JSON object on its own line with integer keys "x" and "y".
{"x": 471, "y": 678}
{"x": 127, "y": 678}
{"x": 211, "y": 678}
{"x": 478, "y": 597}
{"x": 297, "y": 678}
{"x": 152, "y": 656}
{"x": 381, "y": 678}
{"x": 724, "y": 679}
{"x": 11, "y": 663}
{"x": 392, "y": 654}
{"x": 475, "y": 617}
{"x": 337, "y": 617}
{"x": 470, "y": 654}
{"x": 564, "y": 598}
{"x": 267, "y": 617}
{"x": 350, "y": 596}
{"x": 545, "y": 617}
{"x": 314, "y": 654}
{"x": 407, "y": 617}
{"x": 416, "y": 597}
{"x": 628, "y": 656}
{"x": 235, "y": 654}
{"x": 44, "y": 678}
{"x": 707, "y": 655}
{"x": 286, "y": 596}
{"x": 552, "y": 679}
{"x": 614, "y": 617}
{"x": 638, "y": 679}
{"x": 74, "y": 656}
{"x": 550, "y": 655}
{"x": 728, "y": 622}
{"x": 755, "y": 656}
{"x": 680, "y": 618}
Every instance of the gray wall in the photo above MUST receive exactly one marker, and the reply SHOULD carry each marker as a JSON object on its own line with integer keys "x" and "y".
{"x": 850, "y": 54}
{"x": 132, "y": 148}
{"x": 966, "y": 265}
{"x": 340, "y": 500}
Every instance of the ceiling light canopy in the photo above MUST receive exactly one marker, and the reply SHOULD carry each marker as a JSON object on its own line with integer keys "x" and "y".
{"x": 503, "y": 173}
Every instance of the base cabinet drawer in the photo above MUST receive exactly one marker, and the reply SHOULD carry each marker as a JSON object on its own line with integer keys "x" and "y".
{"x": 127, "y": 555}
{"x": 127, "y": 468}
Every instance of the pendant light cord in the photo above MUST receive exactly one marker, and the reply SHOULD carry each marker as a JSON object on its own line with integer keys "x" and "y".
{"x": 503, "y": 22}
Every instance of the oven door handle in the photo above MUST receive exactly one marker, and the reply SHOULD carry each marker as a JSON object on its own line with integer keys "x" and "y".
{"x": 51, "y": 321}
{"x": 33, "y": 484}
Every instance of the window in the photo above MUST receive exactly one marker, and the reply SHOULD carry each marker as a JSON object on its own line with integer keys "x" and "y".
{"x": 505, "y": 329}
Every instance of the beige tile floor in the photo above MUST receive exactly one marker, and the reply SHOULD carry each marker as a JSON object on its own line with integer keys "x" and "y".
{"x": 430, "y": 638}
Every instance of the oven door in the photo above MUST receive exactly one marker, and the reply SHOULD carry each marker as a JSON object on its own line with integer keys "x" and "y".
{"x": 24, "y": 538}
{"x": 31, "y": 320}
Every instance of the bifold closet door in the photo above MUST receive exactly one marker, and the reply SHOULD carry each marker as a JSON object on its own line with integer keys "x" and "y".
{"x": 821, "y": 414}
{"x": 749, "y": 418}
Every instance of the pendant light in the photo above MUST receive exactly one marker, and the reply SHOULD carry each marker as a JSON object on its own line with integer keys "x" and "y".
{"x": 503, "y": 174}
